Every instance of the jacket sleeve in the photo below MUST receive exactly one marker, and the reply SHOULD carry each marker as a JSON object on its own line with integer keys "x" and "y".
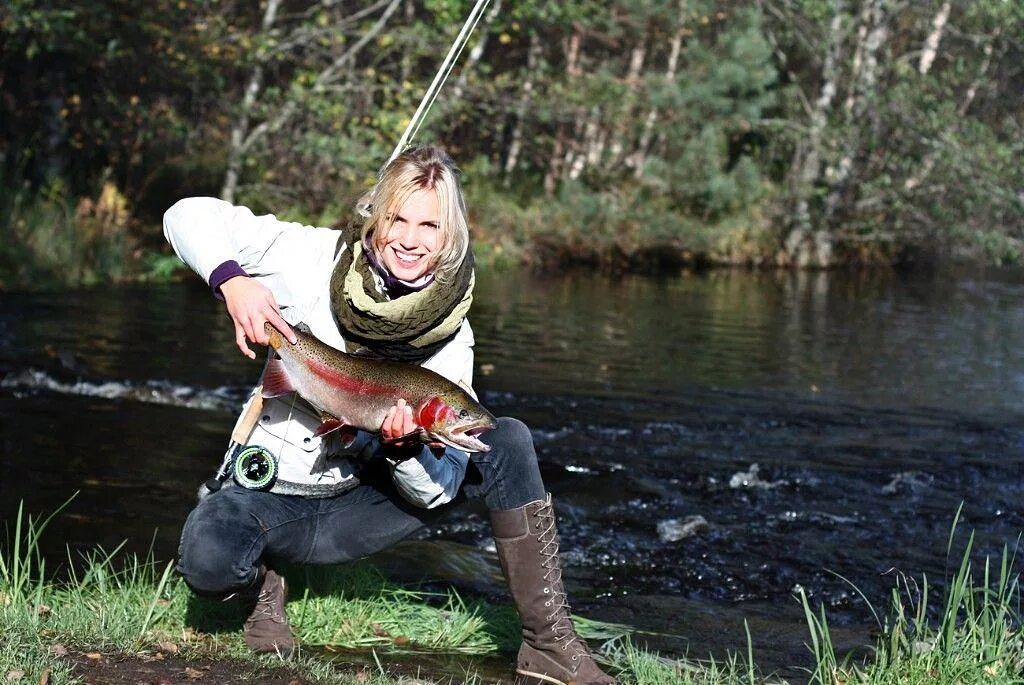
{"x": 428, "y": 481}
{"x": 425, "y": 480}
{"x": 206, "y": 233}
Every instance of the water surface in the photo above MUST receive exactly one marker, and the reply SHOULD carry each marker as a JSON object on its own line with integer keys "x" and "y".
{"x": 825, "y": 427}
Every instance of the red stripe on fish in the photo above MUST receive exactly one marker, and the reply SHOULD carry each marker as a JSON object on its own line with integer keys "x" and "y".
{"x": 347, "y": 383}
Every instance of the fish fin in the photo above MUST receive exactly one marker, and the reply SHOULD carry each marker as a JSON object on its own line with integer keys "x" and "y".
{"x": 414, "y": 434}
{"x": 275, "y": 379}
{"x": 329, "y": 425}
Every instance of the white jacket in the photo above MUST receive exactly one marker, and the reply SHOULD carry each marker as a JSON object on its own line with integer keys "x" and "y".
{"x": 295, "y": 262}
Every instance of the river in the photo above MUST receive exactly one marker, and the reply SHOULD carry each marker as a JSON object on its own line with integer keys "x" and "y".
{"x": 714, "y": 441}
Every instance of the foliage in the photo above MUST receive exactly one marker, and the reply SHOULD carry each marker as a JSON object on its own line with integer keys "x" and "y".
{"x": 816, "y": 117}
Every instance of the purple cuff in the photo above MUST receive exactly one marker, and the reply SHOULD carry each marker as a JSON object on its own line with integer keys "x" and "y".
{"x": 225, "y": 271}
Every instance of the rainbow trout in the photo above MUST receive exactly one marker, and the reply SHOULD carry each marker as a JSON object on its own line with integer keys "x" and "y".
{"x": 357, "y": 392}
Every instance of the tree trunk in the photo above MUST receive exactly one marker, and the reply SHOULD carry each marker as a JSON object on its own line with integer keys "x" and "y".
{"x": 560, "y": 158}
{"x": 585, "y": 149}
{"x": 931, "y": 44}
{"x": 799, "y": 245}
{"x": 525, "y": 95}
{"x": 476, "y": 53}
{"x": 636, "y": 63}
{"x": 236, "y": 153}
{"x": 639, "y": 156}
{"x": 863, "y": 95}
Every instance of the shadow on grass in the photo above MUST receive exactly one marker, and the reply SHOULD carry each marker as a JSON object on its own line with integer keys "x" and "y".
{"x": 358, "y": 593}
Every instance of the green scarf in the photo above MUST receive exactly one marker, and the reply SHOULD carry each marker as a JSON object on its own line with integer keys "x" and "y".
{"x": 409, "y": 328}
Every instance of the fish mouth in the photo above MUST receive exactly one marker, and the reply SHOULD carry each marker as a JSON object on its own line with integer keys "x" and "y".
{"x": 466, "y": 436}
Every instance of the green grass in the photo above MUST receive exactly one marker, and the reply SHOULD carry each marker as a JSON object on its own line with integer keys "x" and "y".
{"x": 977, "y": 638}
{"x": 120, "y": 604}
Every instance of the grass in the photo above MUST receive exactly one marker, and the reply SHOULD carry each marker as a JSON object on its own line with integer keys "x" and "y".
{"x": 53, "y": 240}
{"x": 119, "y": 604}
{"x": 976, "y": 639}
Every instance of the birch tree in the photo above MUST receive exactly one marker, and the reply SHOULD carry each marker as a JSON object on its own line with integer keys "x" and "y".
{"x": 316, "y": 43}
{"x": 803, "y": 240}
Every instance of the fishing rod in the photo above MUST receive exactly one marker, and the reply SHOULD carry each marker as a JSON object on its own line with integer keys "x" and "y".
{"x": 255, "y": 465}
{"x": 440, "y": 78}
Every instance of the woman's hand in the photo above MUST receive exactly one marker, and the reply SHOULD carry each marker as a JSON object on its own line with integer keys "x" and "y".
{"x": 399, "y": 424}
{"x": 398, "y": 432}
{"x": 250, "y": 305}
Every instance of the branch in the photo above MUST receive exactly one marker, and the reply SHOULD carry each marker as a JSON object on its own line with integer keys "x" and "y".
{"x": 325, "y": 79}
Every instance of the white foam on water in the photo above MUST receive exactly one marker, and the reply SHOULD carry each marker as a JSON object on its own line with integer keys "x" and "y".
{"x": 751, "y": 479}
{"x": 673, "y": 530}
{"x": 153, "y": 392}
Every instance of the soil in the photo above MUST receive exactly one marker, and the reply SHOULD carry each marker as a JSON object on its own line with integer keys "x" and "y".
{"x": 161, "y": 669}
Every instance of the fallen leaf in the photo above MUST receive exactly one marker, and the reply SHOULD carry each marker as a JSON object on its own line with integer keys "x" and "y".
{"x": 401, "y": 640}
{"x": 4, "y": 599}
{"x": 58, "y": 650}
{"x": 163, "y": 602}
{"x": 294, "y": 682}
{"x": 44, "y": 679}
{"x": 378, "y": 630}
{"x": 43, "y": 610}
{"x": 13, "y": 676}
{"x": 193, "y": 674}
{"x": 95, "y": 656}
{"x": 361, "y": 676}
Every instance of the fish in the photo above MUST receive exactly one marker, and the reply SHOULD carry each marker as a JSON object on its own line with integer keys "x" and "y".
{"x": 356, "y": 392}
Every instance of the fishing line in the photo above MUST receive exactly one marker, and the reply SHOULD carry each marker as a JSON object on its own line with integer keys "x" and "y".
{"x": 429, "y": 97}
{"x": 440, "y": 78}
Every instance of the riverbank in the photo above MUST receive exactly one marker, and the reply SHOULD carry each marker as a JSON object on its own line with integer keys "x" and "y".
{"x": 117, "y": 618}
{"x": 56, "y": 241}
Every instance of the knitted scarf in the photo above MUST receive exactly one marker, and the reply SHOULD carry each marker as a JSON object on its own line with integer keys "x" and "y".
{"x": 408, "y": 328}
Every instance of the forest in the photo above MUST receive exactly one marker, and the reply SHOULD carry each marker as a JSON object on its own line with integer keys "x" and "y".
{"x": 643, "y": 135}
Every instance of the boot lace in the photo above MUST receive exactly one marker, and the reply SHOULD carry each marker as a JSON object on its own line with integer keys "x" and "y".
{"x": 561, "y": 612}
{"x": 269, "y": 603}
{"x": 266, "y": 609}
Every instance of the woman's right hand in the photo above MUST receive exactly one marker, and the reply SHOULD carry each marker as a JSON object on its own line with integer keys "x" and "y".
{"x": 250, "y": 305}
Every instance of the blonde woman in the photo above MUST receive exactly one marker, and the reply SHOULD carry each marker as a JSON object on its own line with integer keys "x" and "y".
{"x": 399, "y": 285}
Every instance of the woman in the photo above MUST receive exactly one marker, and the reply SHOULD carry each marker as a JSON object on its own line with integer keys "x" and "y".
{"x": 400, "y": 288}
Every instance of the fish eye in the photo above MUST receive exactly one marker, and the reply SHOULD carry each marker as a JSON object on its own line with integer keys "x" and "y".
{"x": 464, "y": 414}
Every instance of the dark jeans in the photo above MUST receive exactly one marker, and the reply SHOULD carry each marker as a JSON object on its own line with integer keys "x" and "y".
{"x": 232, "y": 530}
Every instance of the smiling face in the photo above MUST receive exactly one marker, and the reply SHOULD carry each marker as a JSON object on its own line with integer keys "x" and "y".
{"x": 407, "y": 248}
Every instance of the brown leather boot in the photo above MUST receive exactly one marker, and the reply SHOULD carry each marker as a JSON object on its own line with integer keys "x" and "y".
{"x": 552, "y": 653}
{"x": 267, "y": 629}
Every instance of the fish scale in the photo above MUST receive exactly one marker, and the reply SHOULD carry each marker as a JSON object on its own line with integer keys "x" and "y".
{"x": 358, "y": 392}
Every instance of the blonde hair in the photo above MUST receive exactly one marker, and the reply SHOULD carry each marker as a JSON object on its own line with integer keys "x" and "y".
{"x": 425, "y": 167}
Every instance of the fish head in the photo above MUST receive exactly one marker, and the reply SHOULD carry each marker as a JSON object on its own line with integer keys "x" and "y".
{"x": 455, "y": 419}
